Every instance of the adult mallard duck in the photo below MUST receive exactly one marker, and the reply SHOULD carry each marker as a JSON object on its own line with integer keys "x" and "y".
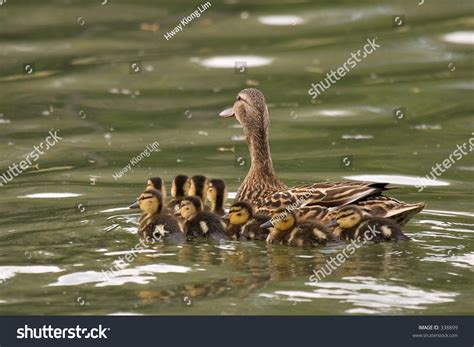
{"x": 262, "y": 188}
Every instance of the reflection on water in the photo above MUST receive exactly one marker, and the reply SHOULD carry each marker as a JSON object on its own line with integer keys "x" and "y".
{"x": 139, "y": 274}
{"x": 64, "y": 222}
{"x": 369, "y": 295}
{"x": 460, "y": 37}
{"x": 240, "y": 62}
{"x": 281, "y": 20}
{"x": 7, "y": 272}
{"x": 50, "y": 195}
{"x": 397, "y": 179}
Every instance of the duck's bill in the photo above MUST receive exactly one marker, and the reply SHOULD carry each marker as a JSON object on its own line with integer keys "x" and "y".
{"x": 268, "y": 224}
{"x": 176, "y": 210}
{"x": 134, "y": 205}
{"x": 229, "y": 112}
{"x": 331, "y": 224}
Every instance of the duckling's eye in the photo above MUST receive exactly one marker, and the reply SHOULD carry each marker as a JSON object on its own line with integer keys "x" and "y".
{"x": 239, "y": 214}
{"x": 239, "y": 98}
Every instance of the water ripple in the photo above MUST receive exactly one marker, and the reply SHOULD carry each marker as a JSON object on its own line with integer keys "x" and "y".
{"x": 139, "y": 275}
{"x": 373, "y": 295}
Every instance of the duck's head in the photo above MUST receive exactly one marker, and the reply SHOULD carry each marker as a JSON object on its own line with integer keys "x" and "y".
{"x": 198, "y": 186}
{"x": 217, "y": 192}
{"x": 190, "y": 206}
{"x": 348, "y": 217}
{"x": 180, "y": 186}
{"x": 150, "y": 202}
{"x": 250, "y": 109}
{"x": 240, "y": 213}
{"x": 281, "y": 220}
{"x": 156, "y": 183}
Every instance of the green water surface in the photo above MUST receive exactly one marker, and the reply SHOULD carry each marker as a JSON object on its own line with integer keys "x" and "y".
{"x": 63, "y": 220}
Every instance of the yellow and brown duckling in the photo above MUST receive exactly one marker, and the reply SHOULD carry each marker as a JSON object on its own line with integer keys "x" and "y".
{"x": 158, "y": 184}
{"x": 199, "y": 222}
{"x": 287, "y": 230}
{"x": 244, "y": 224}
{"x": 154, "y": 224}
{"x": 217, "y": 196}
{"x": 179, "y": 190}
{"x": 351, "y": 223}
{"x": 198, "y": 187}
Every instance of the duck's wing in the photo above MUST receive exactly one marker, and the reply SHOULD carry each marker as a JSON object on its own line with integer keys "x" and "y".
{"x": 387, "y": 207}
{"x": 326, "y": 194}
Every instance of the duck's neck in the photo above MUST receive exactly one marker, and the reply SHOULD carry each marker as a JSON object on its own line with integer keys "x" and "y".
{"x": 261, "y": 179}
{"x": 260, "y": 158}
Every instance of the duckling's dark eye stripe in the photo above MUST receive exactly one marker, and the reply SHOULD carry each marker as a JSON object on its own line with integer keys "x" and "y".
{"x": 342, "y": 215}
{"x": 144, "y": 198}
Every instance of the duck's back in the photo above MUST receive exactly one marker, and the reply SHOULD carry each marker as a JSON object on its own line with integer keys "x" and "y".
{"x": 310, "y": 234}
{"x": 319, "y": 201}
{"x": 378, "y": 229}
{"x": 326, "y": 194}
{"x": 253, "y": 231}
{"x": 206, "y": 224}
{"x": 162, "y": 227}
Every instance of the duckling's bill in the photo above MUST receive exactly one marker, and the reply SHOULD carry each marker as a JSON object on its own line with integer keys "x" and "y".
{"x": 136, "y": 204}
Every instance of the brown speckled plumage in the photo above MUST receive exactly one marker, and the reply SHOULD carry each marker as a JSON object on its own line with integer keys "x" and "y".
{"x": 261, "y": 179}
{"x": 266, "y": 192}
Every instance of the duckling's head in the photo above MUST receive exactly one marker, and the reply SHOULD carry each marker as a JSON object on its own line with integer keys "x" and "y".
{"x": 217, "y": 192}
{"x": 156, "y": 183}
{"x": 198, "y": 186}
{"x": 250, "y": 109}
{"x": 150, "y": 202}
{"x": 240, "y": 213}
{"x": 348, "y": 217}
{"x": 283, "y": 220}
{"x": 190, "y": 206}
{"x": 180, "y": 186}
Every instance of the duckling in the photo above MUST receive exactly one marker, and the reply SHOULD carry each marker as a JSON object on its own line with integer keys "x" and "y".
{"x": 158, "y": 184}
{"x": 154, "y": 224}
{"x": 288, "y": 230}
{"x": 246, "y": 225}
{"x": 179, "y": 190}
{"x": 217, "y": 196}
{"x": 352, "y": 224}
{"x": 198, "y": 187}
{"x": 199, "y": 222}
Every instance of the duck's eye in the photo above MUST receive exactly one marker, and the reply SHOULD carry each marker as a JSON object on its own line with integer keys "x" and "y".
{"x": 239, "y": 214}
{"x": 239, "y": 98}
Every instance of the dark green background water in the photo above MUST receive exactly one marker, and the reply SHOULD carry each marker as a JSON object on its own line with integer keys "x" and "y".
{"x": 53, "y": 244}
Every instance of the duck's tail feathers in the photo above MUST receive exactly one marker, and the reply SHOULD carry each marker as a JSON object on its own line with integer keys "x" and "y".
{"x": 383, "y": 186}
{"x": 404, "y": 213}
